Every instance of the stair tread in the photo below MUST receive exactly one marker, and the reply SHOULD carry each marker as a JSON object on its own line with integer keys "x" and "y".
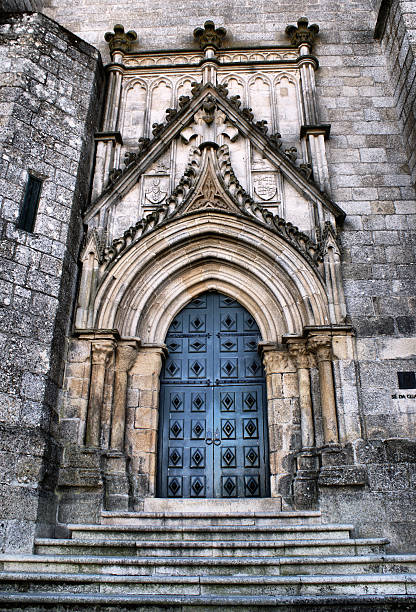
{"x": 209, "y": 543}
{"x": 202, "y": 514}
{"x": 47, "y": 597}
{"x": 157, "y": 579}
{"x": 369, "y": 558}
{"x": 209, "y": 528}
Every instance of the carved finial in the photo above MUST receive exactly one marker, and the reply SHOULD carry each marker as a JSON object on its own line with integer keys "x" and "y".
{"x": 120, "y": 40}
{"x": 208, "y": 36}
{"x": 302, "y": 33}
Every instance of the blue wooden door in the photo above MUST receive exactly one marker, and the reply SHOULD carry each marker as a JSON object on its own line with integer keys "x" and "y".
{"x": 213, "y": 431}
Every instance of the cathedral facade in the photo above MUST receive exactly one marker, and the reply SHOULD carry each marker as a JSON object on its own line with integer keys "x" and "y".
{"x": 207, "y": 285}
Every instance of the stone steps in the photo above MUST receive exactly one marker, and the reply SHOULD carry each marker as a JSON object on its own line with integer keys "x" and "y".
{"x": 175, "y": 557}
{"x": 217, "y": 506}
{"x": 63, "y": 602}
{"x": 172, "y": 519}
{"x": 399, "y": 584}
{"x": 209, "y": 566}
{"x": 235, "y": 531}
{"x": 154, "y": 548}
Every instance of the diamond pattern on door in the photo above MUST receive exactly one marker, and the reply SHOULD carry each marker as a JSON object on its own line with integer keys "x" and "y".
{"x": 176, "y": 402}
{"x": 229, "y": 345}
{"x": 173, "y": 368}
{"x": 176, "y": 430}
{"x": 197, "y": 486}
{"x": 197, "y": 429}
{"x": 176, "y": 457}
{"x": 175, "y": 346}
{"x": 197, "y": 322}
{"x": 199, "y": 302}
{"x": 251, "y": 486}
{"x": 229, "y": 368}
{"x": 250, "y": 401}
{"x": 251, "y": 456}
{"x": 174, "y": 486}
{"x": 250, "y": 429}
{"x": 198, "y": 402}
{"x": 213, "y": 371}
{"x": 227, "y": 402}
{"x": 253, "y": 367}
{"x": 197, "y": 346}
{"x": 229, "y": 486}
{"x": 197, "y": 457}
{"x": 228, "y": 457}
{"x": 197, "y": 368}
{"x": 228, "y": 428}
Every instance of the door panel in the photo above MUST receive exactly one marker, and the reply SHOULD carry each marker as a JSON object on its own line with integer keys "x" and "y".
{"x": 213, "y": 430}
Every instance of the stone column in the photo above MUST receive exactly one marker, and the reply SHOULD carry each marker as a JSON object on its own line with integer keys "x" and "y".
{"x": 143, "y": 422}
{"x": 101, "y": 352}
{"x": 282, "y": 404}
{"x": 322, "y": 346}
{"x": 125, "y": 357}
{"x": 300, "y": 352}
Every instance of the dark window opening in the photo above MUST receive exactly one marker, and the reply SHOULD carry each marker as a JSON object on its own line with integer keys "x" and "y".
{"x": 27, "y": 217}
{"x": 407, "y": 380}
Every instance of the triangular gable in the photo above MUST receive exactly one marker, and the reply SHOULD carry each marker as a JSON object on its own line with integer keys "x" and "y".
{"x": 237, "y": 120}
{"x": 209, "y": 183}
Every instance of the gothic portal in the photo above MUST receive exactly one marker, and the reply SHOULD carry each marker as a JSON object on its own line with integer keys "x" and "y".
{"x": 211, "y": 317}
{"x": 213, "y": 437}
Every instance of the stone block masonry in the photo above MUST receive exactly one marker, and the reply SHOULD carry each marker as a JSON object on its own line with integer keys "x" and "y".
{"x": 396, "y": 30}
{"x": 50, "y": 88}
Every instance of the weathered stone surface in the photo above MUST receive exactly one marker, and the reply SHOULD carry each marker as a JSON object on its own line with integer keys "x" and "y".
{"x": 342, "y": 476}
{"x": 47, "y": 129}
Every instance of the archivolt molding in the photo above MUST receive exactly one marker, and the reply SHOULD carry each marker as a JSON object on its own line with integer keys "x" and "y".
{"x": 161, "y": 273}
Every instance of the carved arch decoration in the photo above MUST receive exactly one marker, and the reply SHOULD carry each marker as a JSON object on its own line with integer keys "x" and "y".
{"x": 211, "y": 224}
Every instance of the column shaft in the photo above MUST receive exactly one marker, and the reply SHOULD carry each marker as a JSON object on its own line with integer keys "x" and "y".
{"x": 126, "y": 355}
{"x": 101, "y": 353}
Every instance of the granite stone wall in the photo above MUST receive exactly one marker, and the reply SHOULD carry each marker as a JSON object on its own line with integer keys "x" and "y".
{"x": 365, "y": 91}
{"x": 50, "y": 87}
{"x": 396, "y": 30}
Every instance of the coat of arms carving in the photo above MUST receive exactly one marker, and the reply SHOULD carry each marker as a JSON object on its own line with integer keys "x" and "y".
{"x": 265, "y": 186}
{"x": 154, "y": 192}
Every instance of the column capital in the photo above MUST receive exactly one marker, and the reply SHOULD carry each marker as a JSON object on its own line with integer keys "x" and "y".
{"x": 300, "y": 352}
{"x": 101, "y": 351}
{"x": 322, "y": 346}
{"x": 126, "y": 354}
{"x": 275, "y": 361}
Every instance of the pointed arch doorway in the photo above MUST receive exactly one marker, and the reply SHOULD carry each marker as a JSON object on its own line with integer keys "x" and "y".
{"x": 213, "y": 435}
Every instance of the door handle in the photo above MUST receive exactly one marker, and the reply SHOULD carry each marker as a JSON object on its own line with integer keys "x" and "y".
{"x": 216, "y": 440}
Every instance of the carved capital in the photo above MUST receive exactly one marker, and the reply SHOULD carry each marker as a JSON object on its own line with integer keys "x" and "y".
{"x": 300, "y": 353}
{"x": 126, "y": 356}
{"x": 303, "y": 33}
{"x": 209, "y": 36}
{"x": 101, "y": 352}
{"x": 120, "y": 40}
{"x": 275, "y": 361}
{"x": 322, "y": 346}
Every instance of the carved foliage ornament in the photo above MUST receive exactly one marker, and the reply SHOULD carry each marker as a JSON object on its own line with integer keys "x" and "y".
{"x": 303, "y": 33}
{"x": 120, "y": 40}
{"x": 209, "y": 36}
